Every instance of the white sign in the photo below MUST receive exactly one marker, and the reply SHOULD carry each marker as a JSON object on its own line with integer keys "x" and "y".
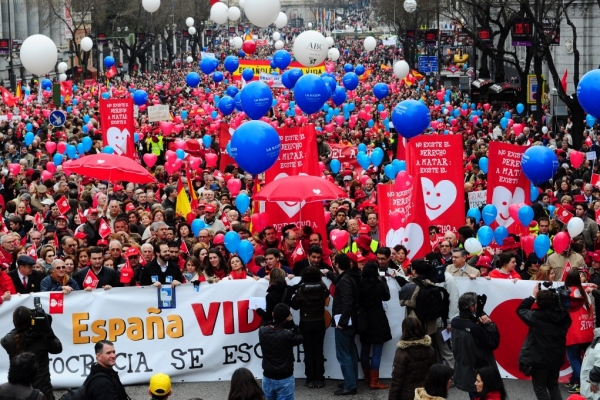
{"x": 158, "y": 113}
{"x": 266, "y": 77}
{"x": 389, "y": 42}
{"x": 590, "y": 155}
{"x": 136, "y": 111}
{"x": 204, "y": 54}
{"x": 477, "y": 199}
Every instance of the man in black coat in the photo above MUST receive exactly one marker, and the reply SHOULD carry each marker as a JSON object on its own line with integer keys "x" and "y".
{"x": 107, "y": 278}
{"x": 160, "y": 271}
{"x": 315, "y": 259}
{"x": 543, "y": 352}
{"x": 25, "y": 279}
{"x": 103, "y": 381}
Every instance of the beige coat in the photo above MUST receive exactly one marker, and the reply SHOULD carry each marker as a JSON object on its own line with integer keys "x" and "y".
{"x": 558, "y": 261}
{"x": 457, "y": 272}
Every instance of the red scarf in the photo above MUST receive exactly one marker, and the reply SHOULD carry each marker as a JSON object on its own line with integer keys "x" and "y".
{"x": 238, "y": 275}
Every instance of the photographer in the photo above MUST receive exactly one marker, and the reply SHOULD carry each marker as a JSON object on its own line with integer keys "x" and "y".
{"x": 474, "y": 339}
{"x": 38, "y": 339}
{"x": 543, "y": 352}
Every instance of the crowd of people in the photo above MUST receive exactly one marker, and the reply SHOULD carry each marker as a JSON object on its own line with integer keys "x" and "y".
{"x": 127, "y": 234}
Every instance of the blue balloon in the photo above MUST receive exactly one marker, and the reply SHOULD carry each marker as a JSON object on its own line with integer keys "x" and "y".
{"x": 108, "y": 150}
{"x": 294, "y": 75}
{"x": 539, "y": 164}
{"x": 255, "y": 146}
{"x": 362, "y": 147}
{"x": 226, "y": 105}
{"x": 192, "y": 79}
{"x": 206, "y": 141}
{"x": 339, "y": 95}
{"x": 310, "y": 93}
{"x": 232, "y": 241}
{"x": 381, "y": 90}
{"x": 359, "y": 70}
{"x": 380, "y": 107}
{"x": 285, "y": 80}
{"x": 533, "y": 192}
{"x": 29, "y": 127}
{"x": 241, "y": 54}
{"x": 232, "y": 91}
{"x": 237, "y": 101}
{"x": 184, "y": 114}
{"x": 46, "y": 84}
{"x": 541, "y": 245}
{"x": 282, "y": 59}
{"x": 411, "y": 118}
{"x": 218, "y": 76}
{"x": 363, "y": 160}
{"x": 587, "y": 92}
{"x": 75, "y": 102}
{"x": 377, "y": 156}
{"x": 247, "y": 74}
{"x": 106, "y": 95}
{"x": 330, "y": 81}
{"x": 504, "y": 122}
{"x": 231, "y": 63}
{"x": 29, "y": 136}
{"x": 500, "y": 233}
{"x": 591, "y": 121}
{"x": 335, "y": 165}
{"x": 350, "y": 81}
{"x": 348, "y": 68}
{"x": 464, "y": 106}
{"x": 245, "y": 251}
{"x": 57, "y": 159}
{"x": 84, "y": 129}
{"x": 483, "y": 164}
{"x": 256, "y": 99}
{"x": 197, "y": 226}
{"x": 400, "y": 166}
{"x": 525, "y": 215}
{"x": 207, "y": 65}
{"x": 180, "y": 154}
{"x": 87, "y": 143}
{"x": 74, "y": 89}
{"x": 520, "y": 108}
{"x": 71, "y": 151}
{"x": 485, "y": 234}
{"x": 80, "y": 148}
{"x": 551, "y": 210}
{"x": 69, "y": 109}
{"x": 109, "y": 61}
{"x": 507, "y": 115}
{"x": 214, "y": 114}
{"x": 489, "y": 214}
{"x": 140, "y": 97}
{"x": 475, "y": 213}
{"x": 242, "y": 202}
{"x": 389, "y": 171}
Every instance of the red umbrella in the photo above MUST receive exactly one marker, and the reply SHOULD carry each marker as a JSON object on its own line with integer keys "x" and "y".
{"x": 110, "y": 167}
{"x": 300, "y": 188}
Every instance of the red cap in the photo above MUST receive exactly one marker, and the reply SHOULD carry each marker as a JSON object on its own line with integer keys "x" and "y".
{"x": 579, "y": 198}
{"x": 129, "y": 207}
{"x": 117, "y": 188}
{"x": 484, "y": 261}
{"x": 132, "y": 251}
{"x": 209, "y": 208}
{"x": 359, "y": 194}
{"x": 595, "y": 256}
{"x": 92, "y": 211}
{"x": 62, "y": 217}
{"x": 246, "y": 219}
{"x": 363, "y": 230}
{"x": 102, "y": 242}
{"x": 219, "y": 239}
{"x": 80, "y": 235}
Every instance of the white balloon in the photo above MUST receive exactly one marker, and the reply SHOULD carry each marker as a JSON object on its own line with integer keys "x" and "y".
{"x": 347, "y": 26}
{"x": 279, "y": 45}
{"x": 38, "y": 54}
{"x": 189, "y": 21}
{"x": 276, "y": 36}
{"x": 333, "y": 54}
{"x": 62, "y": 77}
{"x": 329, "y": 41}
{"x": 218, "y": 13}
{"x": 401, "y": 69}
{"x": 339, "y": 19}
{"x": 237, "y": 42}
{"x": 310, "y": 48}
{"x": 86, "y": 44}
{"x": 189, "y": 59}
{"x": 575, "y": 226}
{"x": 151, "y": 5}
{"x": 281, "y": 20}
{"x": 310, "y": 25}
{"x": 262, "y": 13}
{"x": 370, "y": 43}
{"x": 233, "y": 13}
{"x": 473, "y": 246}
{"x": 192, "y": 30}
{"x": 241, "y": 3}
{"x": 544, "y": 130}
{"x": 62, "y": 67}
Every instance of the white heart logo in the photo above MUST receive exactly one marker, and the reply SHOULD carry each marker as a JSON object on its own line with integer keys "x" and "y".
{"x": 502, "y": 198}
{"x": 117, "y": 139}
{"x": 410, "y": 237}
{"x": 316, "y": 191}
{"x": 101, "y": 161}
{"x": 438, "y": 198}
{"x": 290, "y": 208}
{"x": 88, "y": 279}
{"x": 53, "y": 303}
{"x": 565, "y": 213}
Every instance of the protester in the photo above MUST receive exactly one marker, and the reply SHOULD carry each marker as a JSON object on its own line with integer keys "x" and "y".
{"x": 160, "y": 386}
{"x": 437, "y": 383}
{"x": 58, "y": 280}
{"x": 22, "y": 371}
{"x": 489, "y": 385}
{"x": 103, "y": 381}
{"x": 24, "y": 278}
{"x": 243, "y": 386}
{"x": 277, "y": 292}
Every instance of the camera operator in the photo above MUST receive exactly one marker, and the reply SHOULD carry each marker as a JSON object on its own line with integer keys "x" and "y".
{"x": 38, "y": 339}
{"x": 543, "y": 352}
{"x": 474, "y": 339}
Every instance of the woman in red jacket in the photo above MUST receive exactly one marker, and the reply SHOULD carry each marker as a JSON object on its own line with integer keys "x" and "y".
{"x": 489, "y": 384}
{"x": 7, "y": 288}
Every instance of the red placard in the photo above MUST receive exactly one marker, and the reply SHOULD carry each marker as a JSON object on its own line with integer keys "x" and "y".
{"x": 57, "y": 301}
{"x": 63, "y": 205}
{"x": 117, "y": 125}
{"x": 437, "y": 161}
{"x": 90, "y": 280}
{"x": 225, "y": 134}
{"x": 506, "y": 183}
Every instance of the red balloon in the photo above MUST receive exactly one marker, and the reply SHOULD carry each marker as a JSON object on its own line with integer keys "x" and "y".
{"x": 150, "y": 159}
{"x": 527, "y": 243}
{"x": 211, "y": 160}
{"x": 561, "y": 241}
{"x": 339, "y": 238}
{"x": 234, "y": 185}
{"x": 62, "y": 147}
{"x": 513, "y": 211}
{"x": 395, "y": 220}
{"x": 249, "y": 47}
{"x": 576, "y": 158}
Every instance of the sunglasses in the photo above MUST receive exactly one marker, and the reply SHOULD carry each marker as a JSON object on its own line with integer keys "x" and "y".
{"x": 63, "y": 267}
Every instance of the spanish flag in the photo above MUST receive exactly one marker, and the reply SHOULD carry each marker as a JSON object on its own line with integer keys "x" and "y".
{"x": 385, "y": 67}
{"x": 194, "y": 204}
{"x": 182, "y": 204}
{"x": 19, "y": 91}
{"x": 365, "y": 76}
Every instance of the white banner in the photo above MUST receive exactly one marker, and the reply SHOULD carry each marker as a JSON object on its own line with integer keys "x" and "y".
{"x": 204, "y": 54}
{"x": 266, "y": 77}
{"x": 158, "y": 113}
{"x": 477, "y": 199}
{"x": 212, "y": 332}
{"x": 389, "y": 42}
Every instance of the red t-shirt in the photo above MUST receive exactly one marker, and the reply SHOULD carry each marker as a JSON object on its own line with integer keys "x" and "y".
{"x": 501, "y": 275}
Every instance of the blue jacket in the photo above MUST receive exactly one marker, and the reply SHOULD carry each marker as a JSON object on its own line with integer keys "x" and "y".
{"x": 50, "y": 285}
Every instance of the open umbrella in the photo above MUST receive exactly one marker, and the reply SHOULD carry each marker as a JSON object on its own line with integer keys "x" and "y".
{"x": 110, "y": 167}
{"x": 300, "y": 188}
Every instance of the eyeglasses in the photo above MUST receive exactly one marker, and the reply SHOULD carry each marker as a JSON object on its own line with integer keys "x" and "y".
{"x": 71, "y": 245}
{"x": 50, "y": 255}
{"x": 63, "y": 267}
{"x": 444, "y": 245}
{"x": 203, "y": 237}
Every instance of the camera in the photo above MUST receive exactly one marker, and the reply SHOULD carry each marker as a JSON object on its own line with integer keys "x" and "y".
{"x": 481, "y": 300}
{"x": 40, "y": 321}
{"x": 563, "y": 293}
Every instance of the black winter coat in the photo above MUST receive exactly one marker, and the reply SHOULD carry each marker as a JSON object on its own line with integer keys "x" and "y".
{"x": 310, "y": 300}
{"x": 372, "y": 293}
{"x": 275, "y": 294}
{"x": 106, "y": 384}
{"x": 41, "y": 346}
{"x": 545, "y": 344}
{"x": 345, "y": 300}
{"x": 411, "y": 362}
{"x": 277, "y": 342}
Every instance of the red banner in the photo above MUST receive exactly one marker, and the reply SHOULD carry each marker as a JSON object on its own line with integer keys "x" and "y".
{"x": 347, "y": 154}
{"x": 56, "y": 303}
{"x": 412, "y": 228}
{"x": 506, "y": 183}
{"x": 437, "y": 161}
{"x": 117, "y": 125}
{"x": 298, "y": 156}
{"x": 224, "y": 138}
{"x": 66, "y": 88}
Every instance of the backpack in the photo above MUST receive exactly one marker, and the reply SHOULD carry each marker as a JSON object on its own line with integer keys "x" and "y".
{"x": 433, "y": 302}
{"x": 80, "y": 392}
